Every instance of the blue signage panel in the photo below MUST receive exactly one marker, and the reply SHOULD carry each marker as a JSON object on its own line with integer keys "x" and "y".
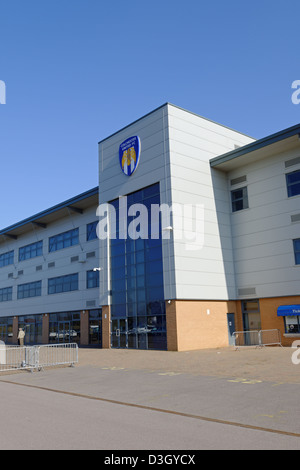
{"x": 288, "y": 310}
{"x": 129, "y": 155}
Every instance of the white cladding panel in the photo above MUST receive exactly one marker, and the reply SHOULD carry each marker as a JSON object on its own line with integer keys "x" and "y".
{"x": 263, "y": 234}
{"x": 62, "y": 302}
{"x": 206, "y": 272}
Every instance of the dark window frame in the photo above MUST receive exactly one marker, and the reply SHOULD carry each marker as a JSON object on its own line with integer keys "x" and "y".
{"x": 64, "y": 240}
{"x": 62, "y": 284}
{"x": 291, "y": 184}
{"x": 239, "y": 203}
{"x": 29, "y": 289}
{"x": 31, "y": 251}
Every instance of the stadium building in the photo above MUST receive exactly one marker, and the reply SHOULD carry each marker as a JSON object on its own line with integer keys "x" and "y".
{"x": 192, "y": 234}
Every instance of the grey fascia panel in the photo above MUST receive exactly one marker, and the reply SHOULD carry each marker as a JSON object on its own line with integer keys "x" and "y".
{"x": 258, "y": 144}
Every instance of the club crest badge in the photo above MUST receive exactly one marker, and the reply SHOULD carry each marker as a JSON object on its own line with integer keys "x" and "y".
{"x": 129, "y": 155}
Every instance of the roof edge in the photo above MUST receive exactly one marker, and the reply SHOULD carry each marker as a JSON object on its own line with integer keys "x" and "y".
{"x": 182, "y": 109}
{"x": 62, "y": 205}
{"x": 258, "y": 144}
{"x": 134, "y": 122}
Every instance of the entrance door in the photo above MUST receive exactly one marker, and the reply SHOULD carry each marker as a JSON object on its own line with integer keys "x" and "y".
{"x": 119, "y": 333}
{"x": 231, "y": 328}
{"x": 30, "y": 333}
{"x": 63, "y": 332}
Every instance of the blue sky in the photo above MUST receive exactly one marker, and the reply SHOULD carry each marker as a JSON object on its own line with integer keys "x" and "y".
{"x": 78, "y": 70}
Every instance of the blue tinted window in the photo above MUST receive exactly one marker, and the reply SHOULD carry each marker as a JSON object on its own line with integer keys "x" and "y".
{"x": 31, "y": 251}
{"x": 6, "y": 294}
{"x": 61, "y": 284}
{"x": 297, "y": 250}
{"x": 31, "y": 289}
{"x": 92, "y": 279}
{"x": 64, "y": 240}
{"x": 91, "y": 233}
{"x": 293, "y": 183}
{"x": 6, "y": 259}
{"x": 138, "y": 306}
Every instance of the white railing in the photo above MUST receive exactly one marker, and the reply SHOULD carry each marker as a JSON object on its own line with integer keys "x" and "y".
{"x": 257, "y": 338}
{"x": 57, "y": 354}
{"x": 14, "y": 358}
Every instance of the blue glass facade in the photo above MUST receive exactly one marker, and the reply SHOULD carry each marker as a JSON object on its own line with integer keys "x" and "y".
{"x": 138, "y": 307}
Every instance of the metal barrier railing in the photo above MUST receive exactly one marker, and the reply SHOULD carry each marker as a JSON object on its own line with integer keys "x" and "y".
{"x": 57, "y": 354}
{"x": 246, "y": 338}
{"x": 13, "y": 358}
{"x": 270, "y": 338}
{"x": 257, "y": 338}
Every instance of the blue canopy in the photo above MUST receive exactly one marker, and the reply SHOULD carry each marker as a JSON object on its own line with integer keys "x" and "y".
{"x": 288, "y": 310}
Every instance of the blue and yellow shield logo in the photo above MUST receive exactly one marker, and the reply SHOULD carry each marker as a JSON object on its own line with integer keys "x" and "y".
{"x": 129, "y": 155}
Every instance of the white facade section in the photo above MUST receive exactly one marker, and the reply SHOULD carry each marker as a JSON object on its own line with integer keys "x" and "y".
{"x": 50, "y": 265}
{"x": 205, "y": 272}
{"x": 176, "y": 147}
{"x": 263, "y": 234}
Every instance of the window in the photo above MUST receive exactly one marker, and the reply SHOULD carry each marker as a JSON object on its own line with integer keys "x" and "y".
{"x": 64, "y": 327}
{"x": 60, "y": 284}
{"x": 33, "y": 326}
{"x": 6, "y": 259}
{"x": 251, "y": 315}
{"x": 91, "y": 233}
{"x": 64, "y": 240}
{"x": 138, "y": 307}
{"x": 297, "y": 250}
{"x": 31, "y": 251}
{"x": 239, "y": 199}
{"x": 95, "y": 327}
{"x": 5, "y": 294}
{"x": 6, "y": 329}
{"x": 293, "y": 183}
{"x": 92, "y": 279}
{"x": 292, "y": 324}
{"x": 31, "y": 289}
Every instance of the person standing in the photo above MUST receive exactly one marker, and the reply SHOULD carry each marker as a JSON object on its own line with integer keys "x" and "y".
{"x": 21, "y": 337}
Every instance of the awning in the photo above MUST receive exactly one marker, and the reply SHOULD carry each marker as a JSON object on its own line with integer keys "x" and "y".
{"x": 288, "y": 310}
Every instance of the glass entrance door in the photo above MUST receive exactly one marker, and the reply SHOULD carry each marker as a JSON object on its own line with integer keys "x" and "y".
{"x": 30, "y": 334}
{"x": 63, "y": 332}
{"x": 119, "y": 333}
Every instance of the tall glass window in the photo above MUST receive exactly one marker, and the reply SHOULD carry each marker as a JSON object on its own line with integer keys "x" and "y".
{"x": 91, "y": 233}
{"x": 95, "y": 327}
{"x": 138, "y": 307}
{"x": 92, "y": 279}
{"x": 297, "y": 250}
